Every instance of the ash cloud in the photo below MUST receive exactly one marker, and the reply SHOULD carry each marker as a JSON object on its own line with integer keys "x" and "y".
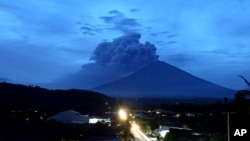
{"x": 112, "y": 60}
{"x": 125, "y": 51}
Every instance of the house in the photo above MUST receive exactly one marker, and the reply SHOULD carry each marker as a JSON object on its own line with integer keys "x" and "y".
{"x": 162, "y": 130}
{"x": 70, "y": 116}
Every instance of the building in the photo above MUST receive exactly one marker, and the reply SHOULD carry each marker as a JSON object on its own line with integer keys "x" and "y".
{"x": 70, "y": 116}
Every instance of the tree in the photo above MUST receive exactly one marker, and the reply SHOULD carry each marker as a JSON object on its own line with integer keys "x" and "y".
{"x": 242, "y": 103}
{"x": 245, "y": 80}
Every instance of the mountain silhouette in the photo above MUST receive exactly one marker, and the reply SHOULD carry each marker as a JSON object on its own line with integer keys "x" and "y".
{"x": 17, "y": 96}
{"x": 161, "y": 80}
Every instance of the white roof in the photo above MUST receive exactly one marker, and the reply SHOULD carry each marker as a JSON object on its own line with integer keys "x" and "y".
{"x": 70, "y": 116}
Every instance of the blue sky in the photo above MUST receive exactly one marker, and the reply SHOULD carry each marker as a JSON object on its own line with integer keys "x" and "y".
{"x": 42, "y": 41}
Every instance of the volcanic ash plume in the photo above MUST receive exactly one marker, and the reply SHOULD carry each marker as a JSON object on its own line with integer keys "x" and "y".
{"x": 125, "y": 51}
{"x": 112, "y": 60}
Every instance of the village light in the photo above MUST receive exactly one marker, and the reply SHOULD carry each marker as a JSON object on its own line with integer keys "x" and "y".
{"x": 122, "y": 114}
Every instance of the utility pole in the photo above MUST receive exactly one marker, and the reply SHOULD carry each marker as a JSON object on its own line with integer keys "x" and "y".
{"x": 228, "y": 124}
{"x": 228, "y": 127}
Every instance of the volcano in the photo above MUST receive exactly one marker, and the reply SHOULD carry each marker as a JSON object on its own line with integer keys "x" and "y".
{"x": 162, "y": 80}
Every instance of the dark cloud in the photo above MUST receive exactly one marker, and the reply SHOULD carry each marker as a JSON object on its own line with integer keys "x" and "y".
{"x": 86, "y": 28}
{"x": 171, "y": 42}
{"x": 116, "y": 12}
{"x": 129, "y": 22}
{"x": 120, "y": 22}
{"x": 160, "y": 42}
{"x": 125, "y": 51}
{"x": 108, "y": 19}
{"x": 134, "y": 10}
{"x": 160, "y": 33}
{"x": 127, "y": 25}
{"x": 90, "y": 30}
{"x": 88, "y": 33}
{"x": 116, "y": 17}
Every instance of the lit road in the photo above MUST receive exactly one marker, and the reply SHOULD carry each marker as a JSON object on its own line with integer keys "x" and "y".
{"x": 138, "y": 134}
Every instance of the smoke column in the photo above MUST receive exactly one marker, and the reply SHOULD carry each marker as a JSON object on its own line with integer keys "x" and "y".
{"x": 125, "y": 51}
{"x": 112, "y": 60}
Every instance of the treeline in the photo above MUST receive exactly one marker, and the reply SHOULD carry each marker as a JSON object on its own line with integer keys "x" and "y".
{"x": 20, "y": 97}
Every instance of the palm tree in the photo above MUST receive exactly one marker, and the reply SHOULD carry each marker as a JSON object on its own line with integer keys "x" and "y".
{"x": 241, "y": 101}
{"x": 245, "y": 80}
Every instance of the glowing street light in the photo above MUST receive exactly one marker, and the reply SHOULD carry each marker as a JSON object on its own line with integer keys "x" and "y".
{"x": 123, "y": 115}
{"x": 158, "y": 113}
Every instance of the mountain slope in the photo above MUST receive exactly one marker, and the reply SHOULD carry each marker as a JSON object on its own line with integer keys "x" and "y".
{"x": 13, "y": 96}
{"x": 160, "y": 79}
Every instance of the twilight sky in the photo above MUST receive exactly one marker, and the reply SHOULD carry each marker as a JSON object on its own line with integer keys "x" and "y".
{"x": 43, "y": 41}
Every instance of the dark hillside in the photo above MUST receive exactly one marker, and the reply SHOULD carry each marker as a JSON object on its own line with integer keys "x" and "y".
{"x": 15, "y": 97}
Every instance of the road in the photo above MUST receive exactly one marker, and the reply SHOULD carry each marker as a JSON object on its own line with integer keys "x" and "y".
{"x": 138, "y": 134}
